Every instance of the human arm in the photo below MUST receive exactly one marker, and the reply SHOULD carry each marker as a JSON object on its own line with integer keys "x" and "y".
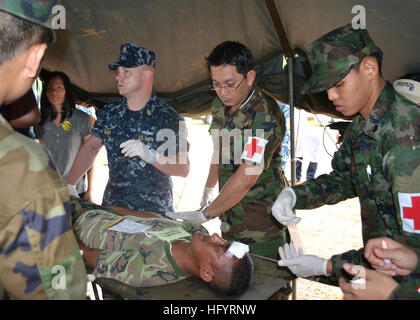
{"x": 210, "y": 190}
{"x": 328, "y": 188}
{"x": 90, "y": 255}
{"x": 235, "y": 189}
{"x": 84, "y": 159}
{"x": 50, "y": 250}
{"x": 232, "y": 193}
{"x": 121, "y": 211}
{"x": 90, "y": 175}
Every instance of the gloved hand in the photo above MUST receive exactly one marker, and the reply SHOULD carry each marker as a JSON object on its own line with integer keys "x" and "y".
{"x": 302, "y": 265}
{"x": 282, "y": 207}
{"x": 191, "y": 216}
{"x": 136, "y": 148}
{"x": 72, "y": 190}
{"x": 209, "y": 194}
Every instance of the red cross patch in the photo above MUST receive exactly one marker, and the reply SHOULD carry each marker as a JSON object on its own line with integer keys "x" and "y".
{"x": 254, "y": 149}
{"x": 410, "y": 211}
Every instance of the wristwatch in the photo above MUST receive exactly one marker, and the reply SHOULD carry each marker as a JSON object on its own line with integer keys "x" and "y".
{"x": 204, "y": 212}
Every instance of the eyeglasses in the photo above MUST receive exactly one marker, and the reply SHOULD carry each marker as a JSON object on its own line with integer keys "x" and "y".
{"x": 217, "y": 87}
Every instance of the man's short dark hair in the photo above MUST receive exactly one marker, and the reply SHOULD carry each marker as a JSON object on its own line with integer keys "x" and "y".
{"x": 241, "y": 278}
{"x": 232, "y": 53}
{"x": 17, "y": 35}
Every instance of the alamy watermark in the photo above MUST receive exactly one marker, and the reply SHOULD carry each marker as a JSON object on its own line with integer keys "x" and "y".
{"x": 229, "y": 146}
{"x": 59, "y": 17}
{"x": 359, "y": 20}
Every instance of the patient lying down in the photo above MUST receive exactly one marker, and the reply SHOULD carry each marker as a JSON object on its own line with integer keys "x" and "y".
{"x": 142, "y": 249}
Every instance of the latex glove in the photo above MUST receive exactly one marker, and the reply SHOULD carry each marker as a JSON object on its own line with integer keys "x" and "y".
{"x": 302, "y": 265}
{"x": 136, "y": 148}
{"x": 72, "y": 190}
{"x": 282, "y": 207}
{"x": 209, "y": 194}
{"x": 191, "y": 216}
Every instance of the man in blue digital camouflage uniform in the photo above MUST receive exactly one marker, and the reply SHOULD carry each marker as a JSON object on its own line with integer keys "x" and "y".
{"x": 378, "y": 161}
{"x": 145, "y": 139}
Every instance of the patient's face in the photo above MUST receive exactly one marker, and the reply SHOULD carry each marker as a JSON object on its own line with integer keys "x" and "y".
{"x": 212, "y": 249}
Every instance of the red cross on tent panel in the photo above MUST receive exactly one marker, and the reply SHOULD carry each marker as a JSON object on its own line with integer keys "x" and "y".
{"x": 252, "y": 148}
{"x": 413, "y": 212}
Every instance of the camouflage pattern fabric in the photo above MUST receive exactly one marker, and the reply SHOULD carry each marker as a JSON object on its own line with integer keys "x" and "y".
{"x": 141, "y": 259}
{"x": 132, "y": 56}
{"x": 334, "y": 54}
{"x": 36, "y": 11}
{"x": 250, "y": 221}
{"x": 39, "y": 255}
{"x": 133, "y": 183}
{"x": 378, "y": 161}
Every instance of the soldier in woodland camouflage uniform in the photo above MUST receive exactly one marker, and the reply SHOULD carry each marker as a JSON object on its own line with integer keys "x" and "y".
{"x": 159, "y": 252}
{"x": 39, "y": 254}
{"x": 379, "y": 160}
{"x": 247, "y": 128}
{"x": 132, "y": 129}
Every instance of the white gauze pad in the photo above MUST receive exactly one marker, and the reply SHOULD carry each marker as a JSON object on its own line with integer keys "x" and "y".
{"x": 237, "y": 249}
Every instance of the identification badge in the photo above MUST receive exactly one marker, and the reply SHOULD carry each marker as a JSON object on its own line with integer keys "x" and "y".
{"x": 126, "y": 226}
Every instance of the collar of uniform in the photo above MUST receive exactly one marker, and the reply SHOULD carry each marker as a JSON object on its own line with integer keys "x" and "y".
{"x": 379, "y": 111}
{"x": 246, "y": 104}
{"x": 168, "y": 250}
{"x": 150, "y": 105}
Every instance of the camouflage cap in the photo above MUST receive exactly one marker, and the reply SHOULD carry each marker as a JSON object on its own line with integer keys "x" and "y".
{"x": 132, "y": 56}
{"x": 334, "y": 54}
{"x": 36, "y": 11}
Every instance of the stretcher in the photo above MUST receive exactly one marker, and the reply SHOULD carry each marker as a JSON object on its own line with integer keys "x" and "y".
{"x": 268, "y": 278}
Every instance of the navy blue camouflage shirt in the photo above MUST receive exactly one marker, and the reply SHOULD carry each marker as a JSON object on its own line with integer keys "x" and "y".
{"x": 134, "y": 183}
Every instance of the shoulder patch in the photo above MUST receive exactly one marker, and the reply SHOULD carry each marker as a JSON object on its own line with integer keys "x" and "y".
{"x": 410, "y": 211}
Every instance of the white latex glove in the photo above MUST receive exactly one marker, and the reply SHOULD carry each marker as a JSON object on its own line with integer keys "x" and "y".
{"x": 191, "y": 216}
{"x": 136, "y": 148}
{"x": 209, "y": 194}
{"x": 72, "y": 190}
{"x": 282, "y": 207}
{"x": 302, "y": 265}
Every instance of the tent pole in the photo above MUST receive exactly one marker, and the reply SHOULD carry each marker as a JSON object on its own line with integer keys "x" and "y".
{"x": 287, "y": 49}
{"x": 292, "y": 138}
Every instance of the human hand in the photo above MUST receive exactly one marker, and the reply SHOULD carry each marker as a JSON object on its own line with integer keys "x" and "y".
{"x": 372, "y": 285}
{"x": 136, "y": 148}
{"x": 302, "y": 265}
{"x": 209, "y": 194}
{"x": 191, "y": 216}
{"x": 72, "y": 190}
{"x": 402, "y": 260}
{"x": 282, "y": 207}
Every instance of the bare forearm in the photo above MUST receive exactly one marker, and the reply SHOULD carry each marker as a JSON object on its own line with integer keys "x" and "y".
{"x": 83, "y": 162}
{"x": 121, "y": 211}
{"x": 90, "y": 176}
{"x": 213, "y": 177}
{"x": 178, "y": 166}
{"x": 233, "y": 191}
